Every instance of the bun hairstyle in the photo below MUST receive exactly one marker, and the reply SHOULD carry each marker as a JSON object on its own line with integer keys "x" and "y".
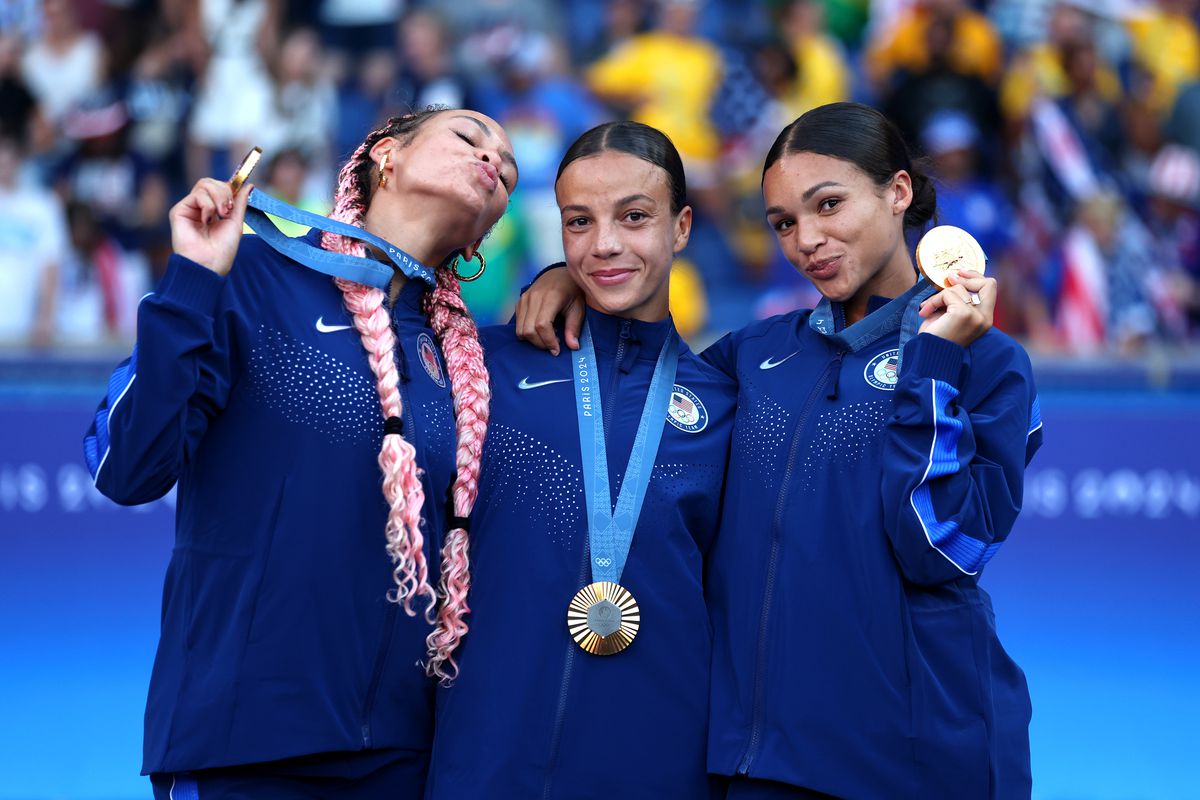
{"x": 863, "y": 136}
{"x": 638, "y": 140}
{"x": 459, "y": 339}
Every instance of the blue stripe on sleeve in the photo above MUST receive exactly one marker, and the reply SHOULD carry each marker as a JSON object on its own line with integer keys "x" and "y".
{"x": 963, "y": 551}
{"x": 95, "y": 446}
{"x": 1035, "y": 416}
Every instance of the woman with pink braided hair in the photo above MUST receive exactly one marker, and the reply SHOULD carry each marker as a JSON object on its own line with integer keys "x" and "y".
{"x": 300, "y": 417}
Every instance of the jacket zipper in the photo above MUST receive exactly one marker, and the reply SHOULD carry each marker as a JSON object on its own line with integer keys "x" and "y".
{"x": 772, "y": 564}
{"x": 560, "y": 713}
{"x": 410, "y": 433}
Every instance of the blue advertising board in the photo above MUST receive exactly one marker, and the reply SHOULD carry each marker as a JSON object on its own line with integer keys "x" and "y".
{"x": 1095, "y": 596}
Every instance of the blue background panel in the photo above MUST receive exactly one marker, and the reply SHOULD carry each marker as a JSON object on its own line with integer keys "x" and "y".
{"x": 1095, "y": 595}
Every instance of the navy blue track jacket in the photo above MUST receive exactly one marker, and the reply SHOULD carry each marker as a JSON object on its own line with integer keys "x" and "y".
{"x": 873, "y": 474}
{"x": 531, "y": 714}
{"x": 253, "y": 392}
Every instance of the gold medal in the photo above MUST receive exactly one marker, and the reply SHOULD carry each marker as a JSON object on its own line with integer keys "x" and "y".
{"x": 603, "y": 618}
{"x": 946, "y": 249}
{"x": 242, "y": 173}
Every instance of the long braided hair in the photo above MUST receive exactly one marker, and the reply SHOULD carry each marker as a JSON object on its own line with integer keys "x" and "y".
{"x": 456, "y": 331}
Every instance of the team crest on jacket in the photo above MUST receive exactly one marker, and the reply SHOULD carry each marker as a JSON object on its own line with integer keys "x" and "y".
{"x": 430, "y": 360}
{"x": 881, "y": 371}
{"x": 686, "y": 412}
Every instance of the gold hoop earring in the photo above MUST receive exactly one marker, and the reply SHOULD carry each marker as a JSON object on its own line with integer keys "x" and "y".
{"x": 477, "y": 275}
{"x": 382, "y": 174}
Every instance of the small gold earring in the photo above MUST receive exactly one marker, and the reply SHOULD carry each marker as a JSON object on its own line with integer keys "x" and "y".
{"x": 477, "y": 275}
{"x": 382, "y": 174}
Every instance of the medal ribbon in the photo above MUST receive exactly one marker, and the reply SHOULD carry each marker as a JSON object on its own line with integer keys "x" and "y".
{"x": 366, "y": 271}
{"x": 610, "y": 532}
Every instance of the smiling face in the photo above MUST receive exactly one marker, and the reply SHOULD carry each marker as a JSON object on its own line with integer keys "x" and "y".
{"x": 619, "y": 233}
{"x": 838, "y": 228}
{"x": 458, "y": 166}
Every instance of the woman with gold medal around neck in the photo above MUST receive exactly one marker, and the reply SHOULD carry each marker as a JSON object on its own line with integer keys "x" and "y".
{"x": 586, "y": 670}
{"x": 876, "y": 466}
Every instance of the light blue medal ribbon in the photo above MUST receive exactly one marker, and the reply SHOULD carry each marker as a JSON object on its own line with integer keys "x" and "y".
{"x": 366, "y": 271}
{"x": 603, "y": 617}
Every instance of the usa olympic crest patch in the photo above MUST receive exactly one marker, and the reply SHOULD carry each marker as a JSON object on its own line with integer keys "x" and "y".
{"x": 430, "y": 359}
{"x": 882, "y": 370}
{"x": 686, "y": 412}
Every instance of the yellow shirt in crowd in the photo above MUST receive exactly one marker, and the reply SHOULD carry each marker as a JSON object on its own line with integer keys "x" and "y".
{"x": 671, "y": 81}
{"x": 976, "y": 48}
{"x": 1168, "y": 47}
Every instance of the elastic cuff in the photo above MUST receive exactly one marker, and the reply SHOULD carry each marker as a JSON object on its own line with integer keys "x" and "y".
{"x": 191, "y": 284}
{"x": 930, "y": 356}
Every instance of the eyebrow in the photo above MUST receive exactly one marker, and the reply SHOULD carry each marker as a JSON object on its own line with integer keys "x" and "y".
{"x": 624, "y": 201}
{"x": 814, "y": 189}
{"x": 505, "y": 155}
{"x": 805, "y": 197}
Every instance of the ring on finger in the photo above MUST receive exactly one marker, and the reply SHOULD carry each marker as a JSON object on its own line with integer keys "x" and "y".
{"x": 974, "y": 298}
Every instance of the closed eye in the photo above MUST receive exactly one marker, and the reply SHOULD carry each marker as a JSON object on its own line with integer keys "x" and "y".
{"x": 503, "y": 179}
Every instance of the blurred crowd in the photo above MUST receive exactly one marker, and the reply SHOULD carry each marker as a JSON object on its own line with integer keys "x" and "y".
{"x": 1064, "y": 134}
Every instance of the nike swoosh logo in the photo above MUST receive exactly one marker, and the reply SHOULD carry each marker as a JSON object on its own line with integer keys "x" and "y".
{"x": 323, "y": 328}
{"x": 525, "y": 384}
{"x": 769, "y": 364}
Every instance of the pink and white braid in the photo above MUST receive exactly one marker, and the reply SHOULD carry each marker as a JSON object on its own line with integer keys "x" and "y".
{"x": 472, "y": 399}
{"x": 397, "y": 457}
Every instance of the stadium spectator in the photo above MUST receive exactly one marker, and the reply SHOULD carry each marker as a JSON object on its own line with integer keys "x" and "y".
{"x": 65, "y": 64}
{"x": 822, "y": 75}
{"x": 972, "y": 48}
{"x": 918, "y": 92}
{"x": 307, "y": 102}
{"x": 667, "y": 78}
{"x": 33, "y": 245}
{"x": 1038, "y": 71}
{"x": 427, "y": 74}
{"x": 1166, "y": 45}
{"x": 236, "y": 94}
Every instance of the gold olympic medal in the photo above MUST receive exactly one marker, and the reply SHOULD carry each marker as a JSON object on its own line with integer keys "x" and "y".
{"x": 603, "y": 618}
{"x": 946, "y": 249}
{"x": 242, "y": 174}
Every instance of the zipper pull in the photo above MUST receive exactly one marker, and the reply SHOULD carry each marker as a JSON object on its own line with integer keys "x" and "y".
{"x": 627, "y": 348}
{"x": 837, "y": 375}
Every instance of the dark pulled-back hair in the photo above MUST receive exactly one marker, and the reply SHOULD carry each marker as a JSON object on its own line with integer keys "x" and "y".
{"x": 638, "y": 140}
{"x": 866, "y": 138}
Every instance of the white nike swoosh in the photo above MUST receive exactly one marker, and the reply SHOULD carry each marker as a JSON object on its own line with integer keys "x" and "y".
{"x": 525, "y": 384}
{"x": 323, "y": 328}
{"x": 769, "y": 364}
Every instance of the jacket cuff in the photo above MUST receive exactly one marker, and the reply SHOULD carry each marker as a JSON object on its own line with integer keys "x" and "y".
{"x": 929, "y": 356}
{"x": 191, "y": 284}
{"x": 556, "y": 265}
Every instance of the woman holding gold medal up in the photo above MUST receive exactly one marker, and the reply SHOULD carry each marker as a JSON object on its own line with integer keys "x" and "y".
{"x": 315, "y": 428}
{"x": 586, "y": 671}
{"x": 877, "y": 464}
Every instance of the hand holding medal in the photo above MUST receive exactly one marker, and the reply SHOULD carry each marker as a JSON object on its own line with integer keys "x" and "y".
{"x": 953, "y": 261}
{"x": 206, "y": 225}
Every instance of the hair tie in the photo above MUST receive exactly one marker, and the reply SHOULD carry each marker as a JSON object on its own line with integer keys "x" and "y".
{"x": 461, "y": 522}
{"x": 393, "y": 425}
